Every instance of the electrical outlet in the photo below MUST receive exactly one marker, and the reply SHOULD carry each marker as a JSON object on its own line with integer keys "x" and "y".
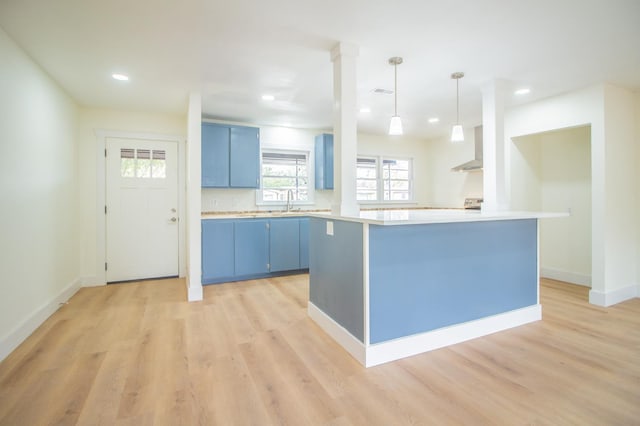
{"x": 329, "y": 228}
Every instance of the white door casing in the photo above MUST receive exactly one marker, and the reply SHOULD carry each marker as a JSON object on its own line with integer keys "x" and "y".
{"x": 142, "y": 210}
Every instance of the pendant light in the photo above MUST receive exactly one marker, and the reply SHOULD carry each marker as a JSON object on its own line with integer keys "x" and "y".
{"x": 457, "y": 135}
{"x": 395, "y": 126}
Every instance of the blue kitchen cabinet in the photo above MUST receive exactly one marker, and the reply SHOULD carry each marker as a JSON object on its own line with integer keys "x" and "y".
{"x": 284, "y": 242}
{"x": 244, "y": 157}
{"x": 217, "y": 250}
{"x": 324, "y": 161}
{"x": 230, "y": 156}
{"x": 304, "y": 243}
{"x": 215, "y": 156}
{"x": 251, "y": 248}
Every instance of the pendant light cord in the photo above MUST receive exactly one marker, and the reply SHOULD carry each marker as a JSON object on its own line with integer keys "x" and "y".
{"x": 395, "y": 92}
{"x": 457, "y": 102}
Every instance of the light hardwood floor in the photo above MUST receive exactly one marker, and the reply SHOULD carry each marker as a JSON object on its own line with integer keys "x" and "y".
{"x": 137, "y": 354}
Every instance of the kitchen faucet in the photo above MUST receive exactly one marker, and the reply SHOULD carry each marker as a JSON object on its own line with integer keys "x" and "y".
{"x": 289, "y": 200}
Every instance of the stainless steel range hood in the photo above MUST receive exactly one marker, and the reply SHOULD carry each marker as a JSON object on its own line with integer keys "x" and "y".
{"x": 475, "y": 164}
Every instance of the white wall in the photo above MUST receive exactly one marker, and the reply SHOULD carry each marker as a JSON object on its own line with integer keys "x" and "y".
{"x": 610, "y": 112}
{"x": 552, "y": 172}
{"x": 304, "y": 139}
{"x": 91, "y": 177}
{"x": 443, "y": 187}
{"x": 38, "y": 175}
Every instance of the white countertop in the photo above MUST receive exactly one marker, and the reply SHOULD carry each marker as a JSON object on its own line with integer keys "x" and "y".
{"x": 416, "y": 217}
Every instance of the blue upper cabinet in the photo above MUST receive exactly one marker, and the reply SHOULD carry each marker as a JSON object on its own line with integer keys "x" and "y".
{"x": 324, "y": 161}
{"x": 245, "y": 157}
{"x": 284, "y": 241}
{"x": 251, "y": 247}
{"x": 230, "y": 156}
{"x": 215, "y": 156}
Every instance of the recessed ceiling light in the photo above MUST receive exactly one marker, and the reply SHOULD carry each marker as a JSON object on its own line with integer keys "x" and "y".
{"x": 120, "y": 77}
{"x": 433, "y": 120}
{"x": 365, "y": 110}
{"x": 268, "y": 97}
{"x": 523, "y": 91}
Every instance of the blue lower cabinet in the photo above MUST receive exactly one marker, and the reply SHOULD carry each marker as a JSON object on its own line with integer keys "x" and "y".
{"x": 240, "y": 249}
{"x": 251, "y": 248}
{"x": 304, "y": 243}
{"x": 284, "y": 241}
{"x": 217, "y": 250}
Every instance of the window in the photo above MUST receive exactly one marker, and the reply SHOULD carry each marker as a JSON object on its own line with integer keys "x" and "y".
{"x": 383, "y": 179}
{"x": 142, "y": 163}
{"x": 284, "y": 171}
{"x": 397, "y": 185}
{"x": 367, "y": 179}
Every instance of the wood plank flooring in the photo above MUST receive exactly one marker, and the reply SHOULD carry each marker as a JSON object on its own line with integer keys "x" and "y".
{"x": 137, "y": 354}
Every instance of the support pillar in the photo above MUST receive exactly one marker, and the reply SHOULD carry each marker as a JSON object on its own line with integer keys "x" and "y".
{"x": 495, "y": 163}
{"x": 345, "y": 130}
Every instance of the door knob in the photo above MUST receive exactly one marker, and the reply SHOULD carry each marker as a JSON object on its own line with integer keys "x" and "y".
{"x": 174, "y": 219}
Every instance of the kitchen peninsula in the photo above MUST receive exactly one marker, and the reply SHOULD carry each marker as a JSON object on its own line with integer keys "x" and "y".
{"x": 391, "y": 284}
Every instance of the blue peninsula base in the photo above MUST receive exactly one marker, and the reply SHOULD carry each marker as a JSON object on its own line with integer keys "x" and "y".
{"x": 385, "y": 292}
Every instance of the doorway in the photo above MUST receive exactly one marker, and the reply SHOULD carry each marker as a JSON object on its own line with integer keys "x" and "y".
{"x": 141, "y": 209}
{"x": 551, "y": 171}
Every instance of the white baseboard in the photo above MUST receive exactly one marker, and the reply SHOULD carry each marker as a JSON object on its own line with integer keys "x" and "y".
{"x": 403, "y": 347}
{"x": 35, "y": 319}
{"x": 92, "y": 281}
{"x": 615, "y": 296}
{"x": 194, "y": 294}
{"x": 340, "y": 334}
{"x": 569, "y": 277}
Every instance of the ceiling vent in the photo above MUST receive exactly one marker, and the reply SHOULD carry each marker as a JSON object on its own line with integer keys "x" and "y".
{"x": 380, "y": 91}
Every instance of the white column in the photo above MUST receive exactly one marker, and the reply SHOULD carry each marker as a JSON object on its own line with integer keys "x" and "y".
{"x": 345, "y": 129}
{"x": 495, "y": 161}
{"x": 194, "y": 200}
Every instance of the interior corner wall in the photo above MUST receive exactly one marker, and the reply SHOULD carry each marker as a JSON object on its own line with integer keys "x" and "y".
{"x": 38, "y": 176}
{"x": 609, "y": 112}
{"x": 89, "y": 149}
{"x": 621, "y": 271}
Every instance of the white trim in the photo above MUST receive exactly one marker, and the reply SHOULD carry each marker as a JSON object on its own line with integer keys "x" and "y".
{"x": 102, "y": 136}
{"x": 566, "y": 276}
{"x": 615, "y": 296}
{"x": 194, "y": 294}
{"x": 91, "y": 281}
{"x": 340, "y": 334}
{"x": 537, "y": 261}
{"x": 23, "y": 330}
{"x": 365, "y": 279}
{"x": 424, "y": 342}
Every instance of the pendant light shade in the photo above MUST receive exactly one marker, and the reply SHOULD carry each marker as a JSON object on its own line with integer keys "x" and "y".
{"x": 395, "y": 126}
{"x": 457, "y": 134}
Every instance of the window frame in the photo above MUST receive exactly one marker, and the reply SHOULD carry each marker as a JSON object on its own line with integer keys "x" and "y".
{"x": 310, "y": 173}
{"x": 379, "y": 159}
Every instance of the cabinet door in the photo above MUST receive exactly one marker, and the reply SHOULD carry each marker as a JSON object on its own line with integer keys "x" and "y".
{"x": 217, "y": 250}
{"x": 215, "y": 156}
{"x": 284, "y": 244}
{"x": 324, "y": 161}
{"x": 251, "y": 246}
{"x": 304, "y": 243}
{"x": 245, "y": 157}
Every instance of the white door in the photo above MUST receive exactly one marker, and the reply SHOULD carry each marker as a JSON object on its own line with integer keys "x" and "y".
{"x": 142, "y": 209}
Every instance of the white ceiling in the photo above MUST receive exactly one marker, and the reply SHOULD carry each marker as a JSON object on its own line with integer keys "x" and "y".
{"x": 235, "y": 51}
